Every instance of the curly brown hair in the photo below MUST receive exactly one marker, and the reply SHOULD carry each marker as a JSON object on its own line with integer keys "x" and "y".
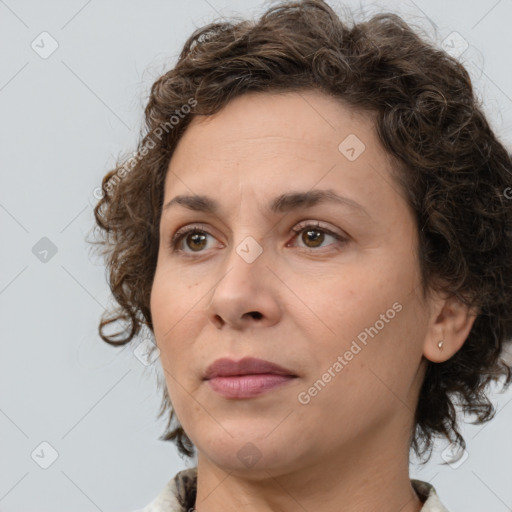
{"x": 450, "y": 164}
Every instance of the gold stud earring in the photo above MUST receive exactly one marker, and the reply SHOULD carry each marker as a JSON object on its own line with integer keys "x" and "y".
{"x": 440, "y": 344}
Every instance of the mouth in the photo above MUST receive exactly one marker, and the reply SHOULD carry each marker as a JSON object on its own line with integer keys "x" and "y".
{"x": 226, "y": 367}
{"x": 247, "y": 386}
{"x": 247, "y": 378}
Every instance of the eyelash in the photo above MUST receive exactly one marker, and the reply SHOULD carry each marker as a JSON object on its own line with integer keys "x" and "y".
{"x": 183, "y": 232}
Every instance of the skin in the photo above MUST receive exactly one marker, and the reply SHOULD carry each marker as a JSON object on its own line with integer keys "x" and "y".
{"x": 349, "y": 445}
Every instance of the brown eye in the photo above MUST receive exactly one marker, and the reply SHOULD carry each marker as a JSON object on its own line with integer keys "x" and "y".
{"x": 194, "y": 238}
{"x": 314, "y": 235}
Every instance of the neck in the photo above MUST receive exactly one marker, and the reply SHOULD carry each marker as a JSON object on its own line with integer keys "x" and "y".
{"x": 372, "y": 475}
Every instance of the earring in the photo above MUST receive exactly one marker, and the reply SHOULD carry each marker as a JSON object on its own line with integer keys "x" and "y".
{"x": 440, "y": 344}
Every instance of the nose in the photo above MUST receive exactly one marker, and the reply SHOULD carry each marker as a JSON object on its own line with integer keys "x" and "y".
{"x": 246, "y": 293}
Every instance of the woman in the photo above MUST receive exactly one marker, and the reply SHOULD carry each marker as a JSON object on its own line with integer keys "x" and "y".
{"x": 315, "y": 230}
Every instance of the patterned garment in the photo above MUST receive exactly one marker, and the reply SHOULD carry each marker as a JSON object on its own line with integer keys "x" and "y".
{"x": 179, "y": 495}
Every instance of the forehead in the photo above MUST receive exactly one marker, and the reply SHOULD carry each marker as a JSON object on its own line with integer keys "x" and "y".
{"x": 270, "y": 143}
{"x": 311, "y": 118}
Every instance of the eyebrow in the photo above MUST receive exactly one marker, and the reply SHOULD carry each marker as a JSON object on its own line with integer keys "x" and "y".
{"x": 281, "y": 204}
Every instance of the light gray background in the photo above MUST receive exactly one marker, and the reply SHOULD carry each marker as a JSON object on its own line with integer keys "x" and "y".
{"x": 63, "y": 120}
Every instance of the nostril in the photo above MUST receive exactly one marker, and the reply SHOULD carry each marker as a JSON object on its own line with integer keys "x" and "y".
{"x": 255, "y": 314}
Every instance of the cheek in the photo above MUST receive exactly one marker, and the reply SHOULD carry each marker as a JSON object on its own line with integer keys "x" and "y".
{"x": 177, "y": 310}
{"x": 352, "y": 299}
{"x": 170, "y": 301}
{"x": 159, "y": 306}
{"x": 165, "y": 312}
{"x": 370, "y": 303}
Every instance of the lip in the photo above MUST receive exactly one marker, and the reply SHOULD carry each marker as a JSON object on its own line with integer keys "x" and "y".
{"x": 247, "y": 378}
{"x": 247, "y": 386}
{"x": 225, "y": 367}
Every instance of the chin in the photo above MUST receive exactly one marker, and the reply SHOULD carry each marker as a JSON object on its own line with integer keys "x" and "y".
{"x": 244, "y": 455}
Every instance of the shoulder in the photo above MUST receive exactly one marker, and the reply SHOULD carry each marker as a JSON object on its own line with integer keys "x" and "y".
{"x": 178, "y": 495}
{"x": 429, "y": 497}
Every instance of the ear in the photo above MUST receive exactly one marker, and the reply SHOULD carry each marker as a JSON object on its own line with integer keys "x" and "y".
{"x": 450, "y": 322}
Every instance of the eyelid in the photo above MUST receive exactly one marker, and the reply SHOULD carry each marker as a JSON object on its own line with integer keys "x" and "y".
{"x": 186, "y": 229}
{"x": 342, "y": 238}
{"x": 317, "y": 224}
{"x": 298, "y": 227}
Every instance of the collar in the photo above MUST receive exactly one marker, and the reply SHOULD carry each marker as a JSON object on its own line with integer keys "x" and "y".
{"x": 179, "y": 494}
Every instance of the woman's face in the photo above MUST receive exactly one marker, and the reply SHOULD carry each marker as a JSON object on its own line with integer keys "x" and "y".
{"x": 338, "y": 302}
